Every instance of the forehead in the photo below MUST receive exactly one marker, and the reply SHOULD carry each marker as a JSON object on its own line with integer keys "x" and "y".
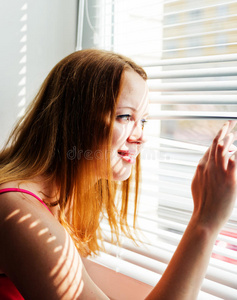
{"x": 133, "y": 92}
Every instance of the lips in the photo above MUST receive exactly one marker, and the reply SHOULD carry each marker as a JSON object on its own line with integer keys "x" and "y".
{"x": 128, "y": 156}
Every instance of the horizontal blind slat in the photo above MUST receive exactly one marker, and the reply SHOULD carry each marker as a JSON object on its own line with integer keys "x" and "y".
{"x": 192, "y": 73}
{"x": 153, "y": 245}
{"x": 193, "y": 60}
{"x": 219, "y": 18}
{"x": 198, "y": 47}
{"x": 191, "y": 115}
{"x": 186, "y": 36}
{"x": 199, "y": 7}
{"x": 158, "y": 98}
{"x": 157, "y": 264}
{"x": 232, "y": 254}
{"x": 181, "y": 228}
{"x": 156, "y": 85}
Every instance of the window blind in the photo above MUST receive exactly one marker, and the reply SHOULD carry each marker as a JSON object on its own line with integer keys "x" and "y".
{"x": 188, "y": 49}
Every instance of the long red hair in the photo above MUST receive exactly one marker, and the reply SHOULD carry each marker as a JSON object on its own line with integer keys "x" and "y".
{"x": 71, "y": 118}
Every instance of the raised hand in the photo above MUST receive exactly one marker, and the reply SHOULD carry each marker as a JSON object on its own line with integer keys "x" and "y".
{"x": 214, "y": 186}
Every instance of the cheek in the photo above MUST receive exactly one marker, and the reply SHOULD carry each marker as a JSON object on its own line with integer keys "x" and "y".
{"x": 119, "y": 135}
{"x": 115, "y": 136}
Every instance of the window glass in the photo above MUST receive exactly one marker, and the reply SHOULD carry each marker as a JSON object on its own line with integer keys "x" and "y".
{"x": 191, "y": 64}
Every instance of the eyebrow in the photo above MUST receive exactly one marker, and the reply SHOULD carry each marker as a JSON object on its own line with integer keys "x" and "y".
{"x": 130, "y": 107}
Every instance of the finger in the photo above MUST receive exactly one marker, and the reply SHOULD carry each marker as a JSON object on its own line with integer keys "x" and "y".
{"x": 232, "y": 166}
{"x": 222, "y": 152}
{"x": 205, "y": 157}
{"x": 226, "y": 129}
{"x": 220, "y": 136}
{"x": 232, "y": 124}
{"x": 231, "y": 148}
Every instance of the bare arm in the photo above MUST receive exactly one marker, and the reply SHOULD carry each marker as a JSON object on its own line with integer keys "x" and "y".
{"x": 214, "y": 193}
{"x": 40, "y": 258}
{"x": 38, "y": 255}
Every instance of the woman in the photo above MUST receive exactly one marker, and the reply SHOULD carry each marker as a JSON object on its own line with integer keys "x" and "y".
{"x": 59, "y": 175}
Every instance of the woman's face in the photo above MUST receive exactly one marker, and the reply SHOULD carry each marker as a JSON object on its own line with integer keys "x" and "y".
{"x": 130, "y": 118}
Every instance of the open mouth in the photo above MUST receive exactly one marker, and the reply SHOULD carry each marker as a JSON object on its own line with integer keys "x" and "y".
{"x": 127, "y": 156}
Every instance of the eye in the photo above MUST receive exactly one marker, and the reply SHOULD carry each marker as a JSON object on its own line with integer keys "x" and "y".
{"x": 143, "y": 121}
{"x": 125, "y": 118}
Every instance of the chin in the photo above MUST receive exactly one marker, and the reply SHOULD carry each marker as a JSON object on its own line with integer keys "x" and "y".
{"x": 121, "y": 176}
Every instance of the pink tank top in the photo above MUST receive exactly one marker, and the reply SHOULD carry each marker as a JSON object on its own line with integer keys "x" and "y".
{"x": 8, "y": 291}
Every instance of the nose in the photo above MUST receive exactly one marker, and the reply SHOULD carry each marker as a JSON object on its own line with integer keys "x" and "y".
{"x": 137, "y": 134}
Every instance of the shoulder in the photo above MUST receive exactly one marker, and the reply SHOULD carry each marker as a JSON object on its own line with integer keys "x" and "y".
{"x": 24, "y": 221}
{"x": 35, "y": 193}
{"x": 19, "y": 208}
{"x": 35, "y": 248}
{"x": 33, "y": 245}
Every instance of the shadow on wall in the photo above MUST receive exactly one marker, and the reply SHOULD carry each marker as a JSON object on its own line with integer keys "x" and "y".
{"x": 13, "y": 30}
{"x": 23, "y": 61}
{"x": 34, "y": 37}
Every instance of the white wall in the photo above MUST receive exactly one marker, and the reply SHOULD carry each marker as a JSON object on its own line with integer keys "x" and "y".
{"x": 35, "y": 35}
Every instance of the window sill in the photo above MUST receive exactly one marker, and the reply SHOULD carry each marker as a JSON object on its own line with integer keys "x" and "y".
{"x": 116, "y": 285}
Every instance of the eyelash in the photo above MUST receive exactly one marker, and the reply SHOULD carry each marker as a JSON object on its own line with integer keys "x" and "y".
{"x": 125, "y": 117}
{"x": 143, "y": 121}
{"x": 129, "y": 118}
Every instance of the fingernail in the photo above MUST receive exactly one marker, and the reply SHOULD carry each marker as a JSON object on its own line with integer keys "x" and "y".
{"x": 221, "y": 143}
